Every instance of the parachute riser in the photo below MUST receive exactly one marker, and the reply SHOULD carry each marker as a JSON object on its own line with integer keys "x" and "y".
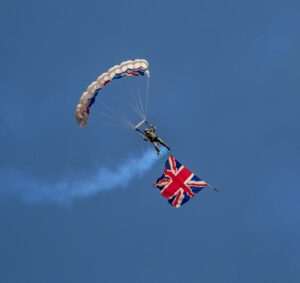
{"x": 140, "y": 125}
{"x": 137, "y": 126}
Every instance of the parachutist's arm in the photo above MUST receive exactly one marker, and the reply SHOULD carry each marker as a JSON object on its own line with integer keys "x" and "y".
{"x": 153, "y": 128}
{"x": 142, "y": 134}
{"x": 138, "y": 130}
{"x": 144, "y": 137}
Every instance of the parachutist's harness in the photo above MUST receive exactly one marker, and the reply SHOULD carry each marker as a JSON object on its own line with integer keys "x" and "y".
{"x": 149, "y": 135}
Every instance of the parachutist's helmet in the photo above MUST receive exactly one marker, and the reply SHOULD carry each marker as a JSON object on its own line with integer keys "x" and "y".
{"x": 146, "y": 130}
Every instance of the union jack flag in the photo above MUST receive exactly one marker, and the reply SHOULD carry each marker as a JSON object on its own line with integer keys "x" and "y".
{"x": 178, "y": 184}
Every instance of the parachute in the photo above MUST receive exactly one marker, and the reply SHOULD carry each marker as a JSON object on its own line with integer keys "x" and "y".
{"x": 138, "y": 67}
{"x": 177, "y": 184}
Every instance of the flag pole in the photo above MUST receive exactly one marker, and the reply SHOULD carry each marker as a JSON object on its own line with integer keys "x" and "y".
{"x": 212, "y": 187}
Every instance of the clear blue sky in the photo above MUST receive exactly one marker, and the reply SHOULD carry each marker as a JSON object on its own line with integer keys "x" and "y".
{"x": 224, "y": 93}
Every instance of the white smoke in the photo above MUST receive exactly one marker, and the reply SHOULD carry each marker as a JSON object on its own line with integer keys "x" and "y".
{"x": 65, "y": 191}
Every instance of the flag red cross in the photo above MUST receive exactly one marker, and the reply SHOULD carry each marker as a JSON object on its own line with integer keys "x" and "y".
{"x": 178, "y": 181}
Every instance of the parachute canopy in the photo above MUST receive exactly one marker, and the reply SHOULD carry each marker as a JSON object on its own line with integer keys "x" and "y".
{"x": 138, "y": 67}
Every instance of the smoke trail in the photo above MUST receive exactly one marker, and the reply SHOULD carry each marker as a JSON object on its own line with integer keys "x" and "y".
{"x": 65, "y": 191}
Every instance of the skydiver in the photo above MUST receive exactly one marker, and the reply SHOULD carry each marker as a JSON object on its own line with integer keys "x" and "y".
{"x": 149, "y": 135}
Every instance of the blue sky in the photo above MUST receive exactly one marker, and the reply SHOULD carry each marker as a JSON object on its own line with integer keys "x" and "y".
{"x": 224, "y": 94}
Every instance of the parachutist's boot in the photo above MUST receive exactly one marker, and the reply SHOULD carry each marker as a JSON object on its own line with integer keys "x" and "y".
{"x": 156, "y": 148}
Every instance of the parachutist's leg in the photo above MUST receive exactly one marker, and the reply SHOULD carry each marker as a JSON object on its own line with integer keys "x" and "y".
{"x": 156, "y": 147}
{"x": 163, "y": 143}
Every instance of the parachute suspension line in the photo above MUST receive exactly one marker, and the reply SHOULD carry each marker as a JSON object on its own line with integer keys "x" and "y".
{"x": 120, "y": 116}
{"x": 147, "y": 95}
{"x": 118, "y": 113}
{"x": 139, "y": 104}
{"x": 115, "y": 125}
{"x": 136, "y": 97}
{"x": 112, "y": 121}
{"x": 140, "y": 101}
{"x": 140, "y": 115}
{"x": 136, "y": 107}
